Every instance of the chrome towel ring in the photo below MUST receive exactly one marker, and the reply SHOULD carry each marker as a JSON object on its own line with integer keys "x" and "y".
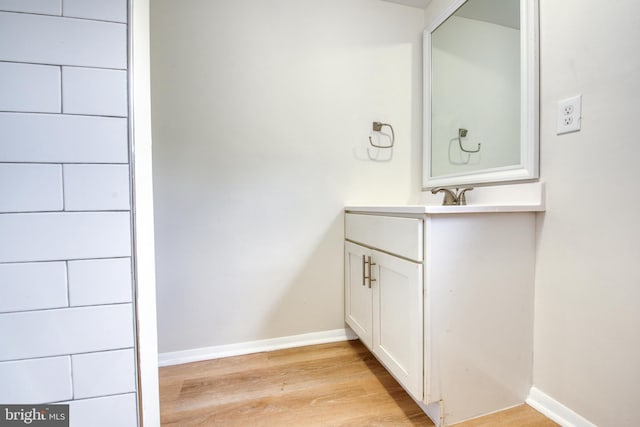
{"x": 377, "y": 127}
{"x": 462, "y": 133}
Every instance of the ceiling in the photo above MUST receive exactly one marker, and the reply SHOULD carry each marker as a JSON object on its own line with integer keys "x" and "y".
{"x": 422, "y": 4}
{"x": 501, "y": 12}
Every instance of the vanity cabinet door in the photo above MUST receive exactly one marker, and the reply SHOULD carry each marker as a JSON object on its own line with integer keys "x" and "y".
{"x": 397, "y": 319}
{"x": 357, "y": 298}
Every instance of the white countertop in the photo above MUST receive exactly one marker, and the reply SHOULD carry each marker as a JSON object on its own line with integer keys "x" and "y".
{"x": 432, "y": 210}
{"x": 523, "y": 197}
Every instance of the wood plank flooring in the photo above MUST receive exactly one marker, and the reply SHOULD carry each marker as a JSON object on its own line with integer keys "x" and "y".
{"x": 337, "y": 384}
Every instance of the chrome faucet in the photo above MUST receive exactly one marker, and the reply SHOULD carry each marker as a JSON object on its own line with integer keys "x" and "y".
{"x": 452, "y": 198}
{"x": 462, "y": 199}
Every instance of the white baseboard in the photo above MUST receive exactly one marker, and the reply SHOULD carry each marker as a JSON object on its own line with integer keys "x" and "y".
{"x": 219, "y": 351}
{"x": 555, "y": 410}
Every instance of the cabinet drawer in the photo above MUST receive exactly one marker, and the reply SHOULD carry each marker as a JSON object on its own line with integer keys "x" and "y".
{"x": 398, "y": 236}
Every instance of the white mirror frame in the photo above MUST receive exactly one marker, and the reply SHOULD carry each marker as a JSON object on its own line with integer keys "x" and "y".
{"x": 528, "y": 168}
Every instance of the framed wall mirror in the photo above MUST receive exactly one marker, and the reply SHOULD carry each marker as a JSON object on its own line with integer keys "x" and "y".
{"x": 481, "y": 94}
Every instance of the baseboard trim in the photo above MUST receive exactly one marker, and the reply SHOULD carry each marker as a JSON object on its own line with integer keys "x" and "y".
{"x": 555, "y": 410}
{"x": 220, "y": 351}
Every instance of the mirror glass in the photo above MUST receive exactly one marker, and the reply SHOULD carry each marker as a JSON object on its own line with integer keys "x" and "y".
{"x": 481, "y": 94}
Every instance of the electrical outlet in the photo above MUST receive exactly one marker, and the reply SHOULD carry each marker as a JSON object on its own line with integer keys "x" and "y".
{"x": 570, "y": 114}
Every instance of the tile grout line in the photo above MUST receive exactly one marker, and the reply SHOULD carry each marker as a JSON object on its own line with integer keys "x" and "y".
{"x": 73, "y": 259}
{"x": 67, "y": 212}
{"x": 15, "y": 162}
{"x": 70, "y": 307}
{"x": 49, "y": 64}
{"x": 95, "y": 258}
{"x": 82, "y": 353}
{"x": 97, "y": 397}
{"x": 64, "y": 207}
{"x": 66, "y": 265}
{"x": 61, "y": 90}
{"x": 62, "y": 15}
{"x": 73, "y": 388}
{"x": 106, "y": 116}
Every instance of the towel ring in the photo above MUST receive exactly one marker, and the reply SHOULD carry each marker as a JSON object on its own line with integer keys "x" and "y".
{"x": 377, "y": 127}
{"x": 462, "y": 133}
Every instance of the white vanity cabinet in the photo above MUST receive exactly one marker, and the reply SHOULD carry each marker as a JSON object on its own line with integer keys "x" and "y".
{"x": 383, "y": 292}
{"x": 444, "y": 300}
{"x": 385, "y": 311}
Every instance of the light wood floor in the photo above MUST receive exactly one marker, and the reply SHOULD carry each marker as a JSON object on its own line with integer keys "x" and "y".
{"x": 337, "y": 384}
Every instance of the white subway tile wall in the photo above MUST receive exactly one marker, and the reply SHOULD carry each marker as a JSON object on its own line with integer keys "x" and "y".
{"x": 43, "y": 333}
{"x": 99, "y": 281}
{"x": 63, "y": 236}
{"x": 96, "y": 187}
{"x": 28, "y": 87}
{"x": 66, "y": 288}
{"x": 110, "y": 411}
{"x": 102, "y": 10}
{"x": 33, "y": 286}
{"x": 45, "y": 7}
{"x": 30, "y": 187}
{"x": 56, "y": 40}
{"x": 62, "y": 138}
{"x": 43, "y": 380}
{"x": 94, "y": 91}
{"x": 103, "y": 373}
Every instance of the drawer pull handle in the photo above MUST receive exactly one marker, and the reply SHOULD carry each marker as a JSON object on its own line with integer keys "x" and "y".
{"x": 371, "y": 279}
{"x": 364, "y": 270}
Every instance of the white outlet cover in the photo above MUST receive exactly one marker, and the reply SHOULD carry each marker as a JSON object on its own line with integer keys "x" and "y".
{"x": 569, "y": 115}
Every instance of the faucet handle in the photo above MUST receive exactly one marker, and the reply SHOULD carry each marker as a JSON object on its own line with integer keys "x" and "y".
{"x": 449, "y": 196}
{"x": 462, "y": 199}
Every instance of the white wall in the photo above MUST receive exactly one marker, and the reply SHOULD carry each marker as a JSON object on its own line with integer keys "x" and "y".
{"x": 587, "y": 342}
{"x": 261, "y": 114}
{"x": 66, "y": 315}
